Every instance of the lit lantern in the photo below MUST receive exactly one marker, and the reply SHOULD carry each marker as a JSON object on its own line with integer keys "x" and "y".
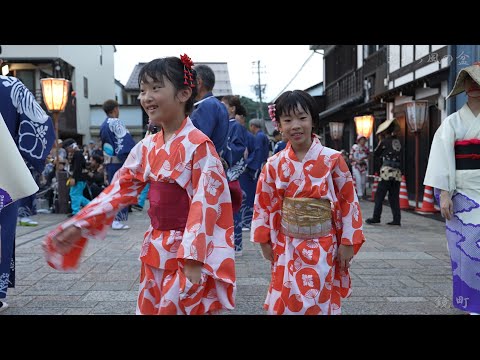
{"x": 55, "y": 93}
{"x": 364, "y": 125}
{"x": 55, "y": 96}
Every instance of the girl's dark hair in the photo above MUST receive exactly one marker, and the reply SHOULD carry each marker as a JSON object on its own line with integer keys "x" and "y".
{"x": 172, "y": 69}
{"x": 287, "y": 103}
{"x": 234, "y": 101}
{"x": 241, "y": 110}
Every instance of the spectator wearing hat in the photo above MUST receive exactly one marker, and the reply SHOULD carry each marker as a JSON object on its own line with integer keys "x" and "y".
{"x": 389, "y": 151}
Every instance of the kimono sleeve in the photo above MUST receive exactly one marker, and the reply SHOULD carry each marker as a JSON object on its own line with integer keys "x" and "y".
{"x": 208, "y": 235}
{"x": 95, "y": 219}
{"x": 349, "y": 223}
{"x": 238, "y": 145}
{"x": 260, "y": 231}
{"x": 440, "y": 172}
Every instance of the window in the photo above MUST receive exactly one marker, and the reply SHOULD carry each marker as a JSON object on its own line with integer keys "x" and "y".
{"x": 370, "y": 49}
{"x": 28, "y": 78}
{"x": 85, "y": 87}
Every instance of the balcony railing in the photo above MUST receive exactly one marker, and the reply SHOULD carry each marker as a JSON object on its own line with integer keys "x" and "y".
{"x": 348, "y": 86}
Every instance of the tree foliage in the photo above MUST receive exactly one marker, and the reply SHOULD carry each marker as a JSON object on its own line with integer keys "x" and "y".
{"x": 252, "y": 108}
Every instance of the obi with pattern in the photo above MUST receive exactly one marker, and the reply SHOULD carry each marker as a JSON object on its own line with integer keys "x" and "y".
{"x": 306, "y": 218}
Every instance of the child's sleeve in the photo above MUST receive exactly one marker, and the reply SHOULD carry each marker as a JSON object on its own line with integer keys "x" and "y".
{"x": 349, "y": 223}
{"x": 95, "y": 219}
{"x": 208, "y": 236}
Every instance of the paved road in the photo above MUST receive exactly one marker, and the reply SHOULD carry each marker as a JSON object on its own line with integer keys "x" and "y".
{"x": 400, "y": 270}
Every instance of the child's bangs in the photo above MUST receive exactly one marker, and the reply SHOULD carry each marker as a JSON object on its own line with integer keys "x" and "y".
{"x": 291, "y": 105}
{"x": 152, "y": 72}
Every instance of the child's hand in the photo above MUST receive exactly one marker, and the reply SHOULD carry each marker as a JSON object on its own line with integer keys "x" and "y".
{"x": 193, "y": 270}
{"x": 267, "y": 251}
{"x": 344, "y": 256}
{"x": 65, "y": 240}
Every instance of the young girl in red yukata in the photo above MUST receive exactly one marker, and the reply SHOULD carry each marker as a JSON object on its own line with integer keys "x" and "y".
{"x": 307, "y": 218}
{"x": 187, "y": 256}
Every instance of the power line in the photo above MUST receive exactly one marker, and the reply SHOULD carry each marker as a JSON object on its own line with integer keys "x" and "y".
{"x": 298, "y": 72}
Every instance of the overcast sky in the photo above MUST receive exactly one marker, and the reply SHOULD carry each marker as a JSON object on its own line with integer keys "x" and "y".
{"x": 279, "y": 64}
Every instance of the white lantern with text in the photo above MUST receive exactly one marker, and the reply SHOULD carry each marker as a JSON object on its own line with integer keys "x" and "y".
{"x": 416, "y": 114}
{"x": 336, "y": 132}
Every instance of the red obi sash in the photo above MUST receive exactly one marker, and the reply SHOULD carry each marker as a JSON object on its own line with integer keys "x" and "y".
{"x": 236, "y": 194}
{"x": 169, "y": 206}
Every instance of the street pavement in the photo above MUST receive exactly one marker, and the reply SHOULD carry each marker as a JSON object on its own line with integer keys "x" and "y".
{"x": 399, "y": 270}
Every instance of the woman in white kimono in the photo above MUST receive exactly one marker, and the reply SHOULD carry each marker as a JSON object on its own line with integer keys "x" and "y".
{"x": 454, "y": 172}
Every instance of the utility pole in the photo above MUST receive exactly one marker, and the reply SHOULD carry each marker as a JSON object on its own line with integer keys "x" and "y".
{"x": 259, "y": 88}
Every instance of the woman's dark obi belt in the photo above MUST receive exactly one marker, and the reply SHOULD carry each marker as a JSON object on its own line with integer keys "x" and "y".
{"x": 169, "y": 206}
{"x": 467, "y": 154}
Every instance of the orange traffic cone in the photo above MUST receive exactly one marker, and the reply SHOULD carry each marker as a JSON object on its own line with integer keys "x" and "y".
{"x": 427, "y": 203}
{"x": 404, "y": 194}
{"x": 374, "y": 186}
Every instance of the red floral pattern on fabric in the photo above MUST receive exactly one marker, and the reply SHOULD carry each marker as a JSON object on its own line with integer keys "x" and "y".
{"x": 305, "y": 279}
{"x": 188, "y": 158}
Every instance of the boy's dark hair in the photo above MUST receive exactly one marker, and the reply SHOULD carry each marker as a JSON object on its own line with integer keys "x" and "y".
{"x": 207, "y": 75}
{"x": 109, "y": 106}
{"x": 172, "y": 69}
{"x": 288, "y": 101}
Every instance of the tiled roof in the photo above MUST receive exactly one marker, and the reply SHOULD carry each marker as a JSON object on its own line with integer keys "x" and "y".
{"x": 132, "y": 83}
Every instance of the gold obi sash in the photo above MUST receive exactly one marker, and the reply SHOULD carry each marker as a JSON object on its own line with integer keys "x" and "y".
{"x": 306, "y": 218}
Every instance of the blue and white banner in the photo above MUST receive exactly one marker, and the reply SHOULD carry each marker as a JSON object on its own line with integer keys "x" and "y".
{"x": 16, "y": 181}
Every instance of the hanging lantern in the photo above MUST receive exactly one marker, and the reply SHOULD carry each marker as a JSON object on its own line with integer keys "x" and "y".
{"x": 416, "y": 114}
{"x": 364, "y": 125}
{"x": 55, "y": 93}
{"x": 336, "y": 130}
